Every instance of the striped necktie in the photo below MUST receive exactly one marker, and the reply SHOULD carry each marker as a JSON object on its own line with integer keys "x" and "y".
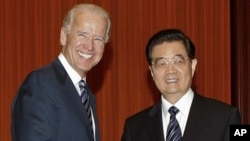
{"x": 174, "y": 130}
{"x": 85, "y": 101}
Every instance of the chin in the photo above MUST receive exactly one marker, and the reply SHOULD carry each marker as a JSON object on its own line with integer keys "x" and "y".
{"x": 172, "y": 91}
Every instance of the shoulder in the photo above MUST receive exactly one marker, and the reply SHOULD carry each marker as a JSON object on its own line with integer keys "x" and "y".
{"x": 42, "y": 80}
{"x": 147, "y": 113}
{"x": 210, "y": 102}
{"x": 45, "y": 73}
{"x": 218, "y": 108}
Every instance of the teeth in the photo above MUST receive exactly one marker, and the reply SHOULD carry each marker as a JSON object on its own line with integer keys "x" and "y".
{"x": 85, "y": 56}
{"x": 171, "y": 80}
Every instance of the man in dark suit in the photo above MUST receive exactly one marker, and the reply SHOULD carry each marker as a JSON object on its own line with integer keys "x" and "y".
{"x": 50, "y": 104}
{"x": 182, "y": 114}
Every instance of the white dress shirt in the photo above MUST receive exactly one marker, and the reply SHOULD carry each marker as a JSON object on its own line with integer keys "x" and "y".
{"x": 183, "y": 105}
{"x": 75, "y": 77}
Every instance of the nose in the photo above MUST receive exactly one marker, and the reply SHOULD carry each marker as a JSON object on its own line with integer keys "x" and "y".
{"x": 170, "y": 68}
{"x": 89, "y": 43}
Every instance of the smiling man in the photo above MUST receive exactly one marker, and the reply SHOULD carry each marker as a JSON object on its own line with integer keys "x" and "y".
{"x": 54, "y": 103}
{"x": 182, "y": 114}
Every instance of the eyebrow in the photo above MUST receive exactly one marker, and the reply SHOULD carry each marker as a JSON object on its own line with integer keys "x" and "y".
{"x": 83, "y": 32}
{"x": 95, "y": 35}
{"x": 180, "y": 55}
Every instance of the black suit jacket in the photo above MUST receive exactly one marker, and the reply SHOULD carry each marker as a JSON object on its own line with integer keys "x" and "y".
{"x": 208, "y": 120}
{"x": 48, "y": 108}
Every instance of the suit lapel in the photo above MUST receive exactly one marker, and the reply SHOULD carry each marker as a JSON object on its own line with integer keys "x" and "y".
{"x": 69, "y": 90}
{"x": 69, "y": 93}
{"x": 196, "y": 119}
{"x": 71, "y": 99}
{"x": 155, "y": 128}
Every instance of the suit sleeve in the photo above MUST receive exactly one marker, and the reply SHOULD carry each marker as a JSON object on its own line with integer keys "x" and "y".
{"x": 234, "y": 118}
{"x": 33, "y": 112}
{"x": 125, "y": 135}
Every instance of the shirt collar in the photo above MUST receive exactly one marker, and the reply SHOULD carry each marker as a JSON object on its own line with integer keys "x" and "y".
{"x": 182, "y": 104}
{"x": 74, "y": 76}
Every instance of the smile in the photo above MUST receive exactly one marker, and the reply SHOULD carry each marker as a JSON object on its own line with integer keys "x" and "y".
{"x": 85, "y": 56}
{"x": 171, "y": 80}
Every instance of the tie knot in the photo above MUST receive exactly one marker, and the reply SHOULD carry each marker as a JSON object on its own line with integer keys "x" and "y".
{"x": 83, "y": 91}
{"x": 173, "y": 110}
{"x": 82, "y": 84}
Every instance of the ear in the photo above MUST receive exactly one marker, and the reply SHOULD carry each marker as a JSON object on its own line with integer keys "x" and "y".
{"x": 63, "y": 36}
{"x": 151, "y": 71}
{"x": 194, "y": 63}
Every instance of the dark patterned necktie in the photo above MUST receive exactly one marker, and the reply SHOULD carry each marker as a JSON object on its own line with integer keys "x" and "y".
{"x": 85, "y": 101}
{"x": 174, "y": 130}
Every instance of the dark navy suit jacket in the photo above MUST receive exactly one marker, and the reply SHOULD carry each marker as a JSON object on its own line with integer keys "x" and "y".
{"x": 209, "y": 120}
{"x": 48, "y": 108}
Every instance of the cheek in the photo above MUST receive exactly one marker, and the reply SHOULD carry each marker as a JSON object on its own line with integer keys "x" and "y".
{"x": 72, "y": 40}
{"x": 157, "y": 76}
{"x": 75, "y": 42}
{"x": 99, "y": 54}
{"x": 187, "y": 76}
{"x": 99, "y": 50}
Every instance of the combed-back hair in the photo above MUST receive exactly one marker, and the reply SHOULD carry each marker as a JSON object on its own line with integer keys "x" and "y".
{"x": 68, "y": 19}
{"x": 169, "y": 35}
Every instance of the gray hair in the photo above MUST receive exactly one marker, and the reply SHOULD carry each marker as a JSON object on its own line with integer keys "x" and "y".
{"x": 68, "y": 19}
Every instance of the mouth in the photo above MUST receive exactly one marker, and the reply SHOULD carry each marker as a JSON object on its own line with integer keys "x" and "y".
{"x": 84, "y": 55}
{"x": 173, "y": 80}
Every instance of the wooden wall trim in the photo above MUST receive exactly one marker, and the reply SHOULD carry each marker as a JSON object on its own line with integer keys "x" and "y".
{"x": 29, "y": 39}
{"x": 240, "y": 40}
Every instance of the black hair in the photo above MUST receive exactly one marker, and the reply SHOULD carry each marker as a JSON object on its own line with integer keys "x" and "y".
{"x": 169, "y": 35}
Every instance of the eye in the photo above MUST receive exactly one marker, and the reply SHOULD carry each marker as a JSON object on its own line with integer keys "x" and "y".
{"x": 179, "y": 60}
{"x": 82, "y": 35}
{"x": 99, "y": 39}
{"x": 161, "y": 62}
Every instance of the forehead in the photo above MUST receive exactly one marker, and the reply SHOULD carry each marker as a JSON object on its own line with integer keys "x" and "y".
{"x": 169, "y": 49}
{"x": 90, "y": 21}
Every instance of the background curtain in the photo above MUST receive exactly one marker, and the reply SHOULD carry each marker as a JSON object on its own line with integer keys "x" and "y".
{"x": 29, "y": 39}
